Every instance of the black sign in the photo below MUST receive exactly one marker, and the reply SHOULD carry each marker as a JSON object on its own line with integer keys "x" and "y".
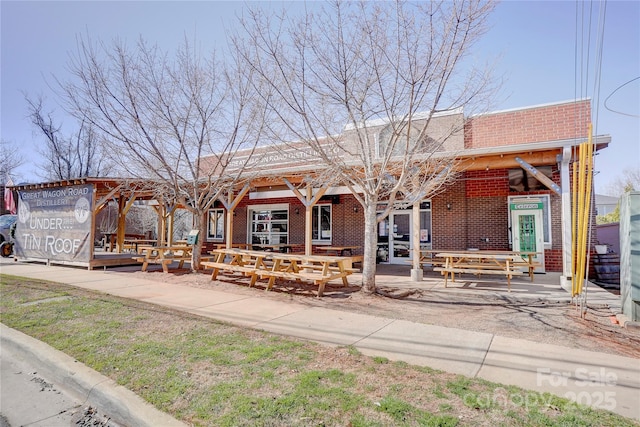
{"x": 55, "y": 223}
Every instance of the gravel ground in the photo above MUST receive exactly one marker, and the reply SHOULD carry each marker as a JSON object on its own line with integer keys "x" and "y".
{"x": 542, "y": 320}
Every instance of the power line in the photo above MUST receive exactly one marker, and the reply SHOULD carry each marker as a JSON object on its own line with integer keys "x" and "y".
{"x": 598, "y": 63}
{"x": 614, "y": 91}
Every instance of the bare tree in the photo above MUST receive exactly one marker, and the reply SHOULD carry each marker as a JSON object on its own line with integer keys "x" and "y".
{"x": 628, "y": 180}
{"x": 76, "y": 156}
{"x": 371, "y": 89}
{"x": 10, "y": 159}
{"x": 167, "y": 116}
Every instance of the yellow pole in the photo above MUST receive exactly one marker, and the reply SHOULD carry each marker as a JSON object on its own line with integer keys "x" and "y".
{"x": 574, "y": 230}
{"x": 587, "y": 212}
{"x": 580, "y": 216}
{"x": 585, "y": 196}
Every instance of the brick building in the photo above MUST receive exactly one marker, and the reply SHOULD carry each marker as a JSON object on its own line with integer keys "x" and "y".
{"x": 495, "y": 202}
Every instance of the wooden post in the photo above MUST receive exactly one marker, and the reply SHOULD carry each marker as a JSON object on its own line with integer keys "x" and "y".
{"x": 162, "y": 223}
{"x": 230, "y": 203}
{"x": 93, "y": 226}
{"x": 170, "y": 228}
{"x": 121, "y": 224}
{"x": 308, "y": 201}
{"x": 308, "y": 223}
{"x": 229, "y": 238}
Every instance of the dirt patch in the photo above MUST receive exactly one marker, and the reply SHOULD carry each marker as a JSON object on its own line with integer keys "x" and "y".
{"x": 541, "y": 320}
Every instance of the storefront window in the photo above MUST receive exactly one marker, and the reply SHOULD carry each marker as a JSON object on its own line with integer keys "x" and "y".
{"x": 269, "y": 226}
{"x": 216, "y": 224}
{"x": 321, "y": 227}
{"x": 397, "y": 249}
{"x": 425, "y": 225}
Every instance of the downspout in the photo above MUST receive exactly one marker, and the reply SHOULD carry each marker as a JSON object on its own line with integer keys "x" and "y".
{"x": 565, "y": 183}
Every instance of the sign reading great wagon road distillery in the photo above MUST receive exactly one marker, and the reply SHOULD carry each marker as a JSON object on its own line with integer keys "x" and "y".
{"x": 55, "y": 223}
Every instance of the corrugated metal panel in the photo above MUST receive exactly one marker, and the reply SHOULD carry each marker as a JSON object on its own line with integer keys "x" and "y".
{"x": 630, "y": 255}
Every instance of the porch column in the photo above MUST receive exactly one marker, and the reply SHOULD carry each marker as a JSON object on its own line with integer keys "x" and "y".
{"x": 92, "y": 239}
{"x": 565, "y": 183}
{"x": 230, "y": 203}
{"x": 165, "y": 212}
{"x": 170, "y": 228}
{"x": 416, "y": 270}
{"x": 120, "y": 230}
{"x": 308, "y": 201}
{"x": 308, "y": 223}
{"x": 229, "y": 234}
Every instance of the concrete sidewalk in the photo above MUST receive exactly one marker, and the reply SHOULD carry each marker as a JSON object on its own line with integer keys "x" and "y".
{"x": 601, "y": 380}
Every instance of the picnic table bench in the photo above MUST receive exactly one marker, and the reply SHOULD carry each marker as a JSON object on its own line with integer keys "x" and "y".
{"x": 428, "y": 257}
{"x": 163, "y": 255}
{"x": 522, "y": 259}
{"x": 343, "y": 251}
{"x": 135, "y": 244}
{"x": 317, "y": 269}
{"x": 274, "y": 265}
{"x": 476, "y": 262}
{"x": 242, "y": 261}
{"x": 337, "y": 250}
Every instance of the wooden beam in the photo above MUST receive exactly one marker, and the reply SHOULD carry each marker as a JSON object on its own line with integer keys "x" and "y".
{"x": 295, "y": 191}
{"x": 267, "y": 181}
{"x": 309, "y": 200}
{"x": 540, "y": 176}
{"x": 508, "y": 161}
{"x": 129, "y": 204}
{"x": 105, "y": 199}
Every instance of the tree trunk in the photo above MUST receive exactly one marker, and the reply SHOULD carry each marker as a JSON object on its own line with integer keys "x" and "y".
{"x": 370, "y": 248}
{"x": 198, "y": 224}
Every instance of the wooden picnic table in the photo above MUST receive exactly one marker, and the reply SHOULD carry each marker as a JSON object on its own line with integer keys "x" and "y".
{"x": 526, "y": 259}
{"x": 276, "y": 265}
{"x": 233, "y": 245}
{"x": 243, "y": 261}
{"x": 428, "y": 257}
{"x": 338, "y": 250}
{"x": 164, "y": 255}
{"x": 318, "y": 269}
{"x": 279, "y": 247}
{"x": 477, "y": 262}
{"x": 136, "y": 244}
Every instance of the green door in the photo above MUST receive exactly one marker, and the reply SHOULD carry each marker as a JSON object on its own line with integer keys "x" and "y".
{"x": 527, "y": 233}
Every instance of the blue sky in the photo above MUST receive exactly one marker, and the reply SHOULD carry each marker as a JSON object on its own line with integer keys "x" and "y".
{"x": 533, "y": 44}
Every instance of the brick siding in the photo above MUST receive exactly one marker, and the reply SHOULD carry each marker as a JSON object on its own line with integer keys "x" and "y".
{"x": 535, "y": 124}
{"x": 478, "y": 200}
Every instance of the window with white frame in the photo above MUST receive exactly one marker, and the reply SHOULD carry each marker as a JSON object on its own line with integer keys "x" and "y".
{"x": 425, "y": 225}
{"x": 215, "y": 228}
{"x": 321, "y": 224}
{"x": 269, "y": 225}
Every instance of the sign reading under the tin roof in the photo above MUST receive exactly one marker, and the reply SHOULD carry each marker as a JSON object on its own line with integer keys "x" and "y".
{"x": 55, "y": 223}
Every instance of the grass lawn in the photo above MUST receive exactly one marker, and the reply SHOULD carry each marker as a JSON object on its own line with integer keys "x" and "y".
{"x": 209, "y": 373}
